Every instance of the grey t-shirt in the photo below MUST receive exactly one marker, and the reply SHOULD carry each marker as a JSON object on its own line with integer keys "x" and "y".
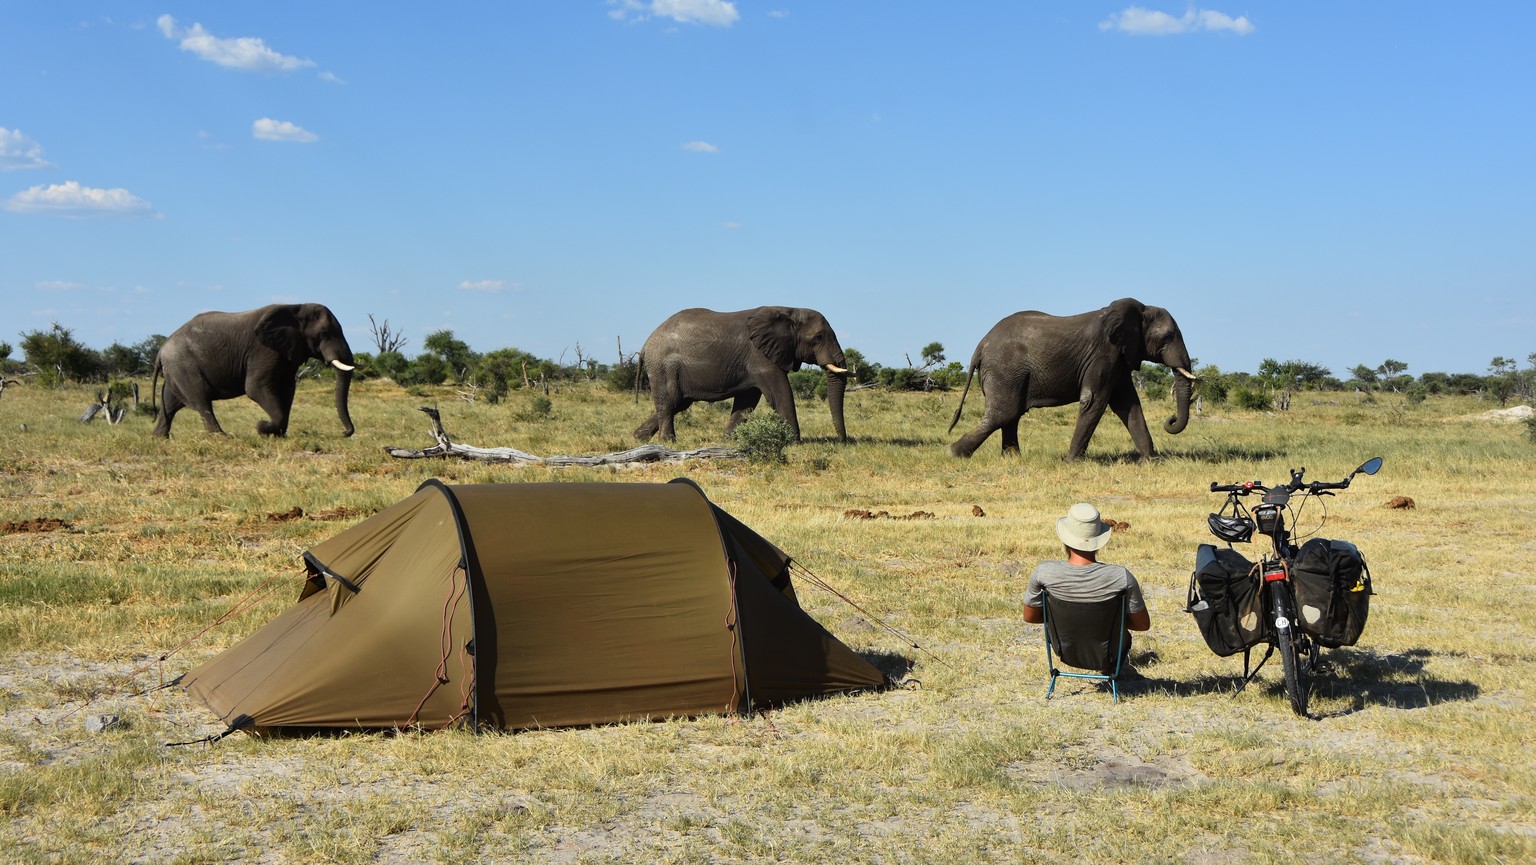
{"x": 1083, "y": 583}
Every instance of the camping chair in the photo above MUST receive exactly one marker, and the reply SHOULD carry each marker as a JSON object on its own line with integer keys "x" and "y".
{"x": 1088, "y": 636}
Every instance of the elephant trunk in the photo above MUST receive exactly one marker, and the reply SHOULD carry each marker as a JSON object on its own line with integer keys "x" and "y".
{"x": 837, "y": 383}
{"x": 1183, "y": 386}
{"x": 343, "y": 387}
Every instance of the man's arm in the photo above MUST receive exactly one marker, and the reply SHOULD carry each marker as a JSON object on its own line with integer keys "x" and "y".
{"x": 1139, "y": 621}
{"x": 1034, "y": 615}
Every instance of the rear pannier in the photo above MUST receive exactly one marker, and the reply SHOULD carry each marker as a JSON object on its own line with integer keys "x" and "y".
{"x": 1224, "y": 599}
{"x": 1333, "y": 591}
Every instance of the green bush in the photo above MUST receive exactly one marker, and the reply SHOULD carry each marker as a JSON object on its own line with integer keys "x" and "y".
{"x": 1530, "y": 428}
{"x": 763, "y": 436}
{"x": 1253, "y": 399}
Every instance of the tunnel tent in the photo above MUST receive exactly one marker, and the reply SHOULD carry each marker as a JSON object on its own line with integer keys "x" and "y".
{"x": 512, "y": 606}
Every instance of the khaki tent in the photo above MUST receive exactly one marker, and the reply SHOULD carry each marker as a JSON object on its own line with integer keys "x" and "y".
{"x": 532, "y": 605}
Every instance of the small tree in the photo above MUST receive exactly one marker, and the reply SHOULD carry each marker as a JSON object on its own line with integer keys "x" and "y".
{"x": 59, "y": 358}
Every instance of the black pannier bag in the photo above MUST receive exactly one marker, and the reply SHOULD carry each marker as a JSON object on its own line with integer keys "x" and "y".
{"x": 1333, "y": 591}
{"x": 1224, "y": 599}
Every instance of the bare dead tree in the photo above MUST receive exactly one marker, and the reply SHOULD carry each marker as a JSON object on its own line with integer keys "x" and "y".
{"x": 384, "y": 337}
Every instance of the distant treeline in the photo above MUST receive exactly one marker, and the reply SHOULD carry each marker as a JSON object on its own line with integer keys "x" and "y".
{"x": 55, "y": 357}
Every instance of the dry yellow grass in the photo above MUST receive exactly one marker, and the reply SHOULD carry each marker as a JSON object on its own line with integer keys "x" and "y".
{"x": 1425, "y": 753}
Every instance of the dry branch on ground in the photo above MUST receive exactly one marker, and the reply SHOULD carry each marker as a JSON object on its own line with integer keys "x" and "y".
{"x": 643, "y": 454}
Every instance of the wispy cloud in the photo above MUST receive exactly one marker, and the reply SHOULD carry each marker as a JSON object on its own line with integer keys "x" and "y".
{"x": 487, "y": 286}
{"x": 331, "y": 77}
{"x": 18, "y": 152}
{"x": 1148, "y": 22}
{"x": 247, "y": 53}
{"x": 71, "y": 200}
{"x": 267, "y": 129}
{"x": 700, "y": 147}
{"x": 717, "y": 13}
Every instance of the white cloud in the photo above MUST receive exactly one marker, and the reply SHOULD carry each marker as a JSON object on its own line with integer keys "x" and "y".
{"x": 246, "y": 52}
{"x": 17, "y": 151}
{"x": 267, "y": 129}
{"x": 731, "y": 225}
{"x": 74, "y": 201}
{"x": 719, "y": 13}
{"x": 487, "y": 286}
{"x": 700, "y": 147}
{"x": 1149, "y": 22}
{"x": 331, "y": 77}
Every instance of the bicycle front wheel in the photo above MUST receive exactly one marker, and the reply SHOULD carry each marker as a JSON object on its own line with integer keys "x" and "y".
{"x": 1296, "y": 685}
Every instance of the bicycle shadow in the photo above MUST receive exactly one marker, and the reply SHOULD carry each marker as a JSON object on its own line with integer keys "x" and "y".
{"x": 1361, "y": 678}
{"x": 1395, "y": 680}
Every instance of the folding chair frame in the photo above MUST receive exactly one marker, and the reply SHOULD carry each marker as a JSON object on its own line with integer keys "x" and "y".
{"x": 1113, "y": 677}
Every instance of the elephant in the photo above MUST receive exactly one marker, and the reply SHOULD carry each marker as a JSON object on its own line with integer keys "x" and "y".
{"x": 703, "y": 355}
{"x": 1034, "y": 360}
{"x": 221, "y": 355}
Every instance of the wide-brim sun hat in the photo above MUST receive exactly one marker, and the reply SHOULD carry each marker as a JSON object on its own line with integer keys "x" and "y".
{"x": 1081, "y": 528}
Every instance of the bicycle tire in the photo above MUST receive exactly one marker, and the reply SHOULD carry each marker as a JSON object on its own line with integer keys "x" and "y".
{"x": 1296, "y": 685}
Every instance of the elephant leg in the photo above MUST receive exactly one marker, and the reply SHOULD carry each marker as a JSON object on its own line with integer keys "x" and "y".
{"x": 1127, "y": 406}
{"x": 277, "y": 402}
{"x": 741, "y": 405}
{"x": 1087, "y": 421}
{"x": 199, "y": 403}
{"x": 1010, "y": 437}
{"x": 170, "y": 403}
{"x": 667, "y": 418}
{"x": 783, "y": 401}
{"x": 644, "y": 431}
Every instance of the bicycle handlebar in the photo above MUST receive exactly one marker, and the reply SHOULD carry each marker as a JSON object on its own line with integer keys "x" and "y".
{"x": 1296, "y": 485}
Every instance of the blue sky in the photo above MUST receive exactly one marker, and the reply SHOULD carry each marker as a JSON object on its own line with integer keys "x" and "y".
{"x": 1335, "y": 183}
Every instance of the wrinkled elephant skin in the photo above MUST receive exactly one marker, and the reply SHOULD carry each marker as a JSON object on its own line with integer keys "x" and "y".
{"x": 256, "y": 353}
{"x": 699, "y": 355}
{"x": 1034, "y": 360}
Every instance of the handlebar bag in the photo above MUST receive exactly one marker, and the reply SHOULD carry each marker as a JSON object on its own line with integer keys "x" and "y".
{"x": 1224, "y": 599}
{"x": 1333, "y": 591}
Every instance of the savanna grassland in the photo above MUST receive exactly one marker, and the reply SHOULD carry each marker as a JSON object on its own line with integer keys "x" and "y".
{"x": 116, "y": 548}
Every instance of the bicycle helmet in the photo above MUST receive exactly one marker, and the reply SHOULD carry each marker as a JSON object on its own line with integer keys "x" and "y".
{"x": 1233, "y": 530}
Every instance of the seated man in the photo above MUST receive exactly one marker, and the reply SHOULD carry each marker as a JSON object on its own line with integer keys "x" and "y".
{"x": 1082, "y": 577}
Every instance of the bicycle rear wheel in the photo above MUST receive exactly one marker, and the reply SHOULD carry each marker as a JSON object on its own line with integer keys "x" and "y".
{"x": 1297, "y": 688}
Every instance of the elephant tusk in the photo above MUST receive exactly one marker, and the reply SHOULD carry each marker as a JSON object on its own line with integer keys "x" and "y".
{"x": 832, "y": 367}
{"x": 1186, "y": 373}
{"x": 341, "y": 366}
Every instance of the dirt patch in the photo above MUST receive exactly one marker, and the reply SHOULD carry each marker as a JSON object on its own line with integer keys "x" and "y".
{"x": 35, "y": 524}
{"x": 857, "y": 514}
{"x": 297, "y": 513}
{"x": 1513, "y": 414}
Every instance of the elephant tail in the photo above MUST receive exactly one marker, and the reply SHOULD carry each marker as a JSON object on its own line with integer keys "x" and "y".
{"x": 639, "y": 363}
{"x": 961, "y": 407}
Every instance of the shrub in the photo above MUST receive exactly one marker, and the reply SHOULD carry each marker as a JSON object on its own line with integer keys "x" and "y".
{"x": 1530, "y": 428}
{"x": 763, "y": 436}
{"x": 1253, "y": 399}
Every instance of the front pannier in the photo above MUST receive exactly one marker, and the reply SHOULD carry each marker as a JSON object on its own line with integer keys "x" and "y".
{"x": 1333, "y": 591}
{"x": 1224, "y": 599}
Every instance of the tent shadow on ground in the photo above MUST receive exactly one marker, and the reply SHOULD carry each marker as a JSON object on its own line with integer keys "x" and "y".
{"x": 1361, "y": 677}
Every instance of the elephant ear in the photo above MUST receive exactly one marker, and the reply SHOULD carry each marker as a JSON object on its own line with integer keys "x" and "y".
{"x": 1125, "y": 330}
{"x": 278, "y": 329}
{"x": 772, "y": 331}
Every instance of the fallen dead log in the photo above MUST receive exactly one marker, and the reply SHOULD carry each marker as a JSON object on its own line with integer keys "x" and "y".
{"x": 643, "y": 454}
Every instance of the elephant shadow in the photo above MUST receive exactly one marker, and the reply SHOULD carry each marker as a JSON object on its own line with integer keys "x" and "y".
{"x": 1213, "y": 455}
{"x": 1362, "y": 678}
{"x": 898, "y": 441}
